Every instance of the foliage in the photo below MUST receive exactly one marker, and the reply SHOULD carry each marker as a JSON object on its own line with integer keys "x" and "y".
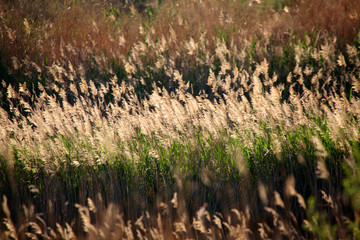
{"x": 179, "y": 119}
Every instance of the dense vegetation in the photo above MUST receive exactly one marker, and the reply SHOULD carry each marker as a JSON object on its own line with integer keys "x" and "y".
{"x": 198, "y": 119}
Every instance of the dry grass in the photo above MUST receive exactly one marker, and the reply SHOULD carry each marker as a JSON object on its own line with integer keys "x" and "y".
{"x": 46, "y": 33}
{"x": 339, "y": 18}
{"x": 241, "y": 103}
{"x": 103, "y": 37}
{"x": 188, "y": 123}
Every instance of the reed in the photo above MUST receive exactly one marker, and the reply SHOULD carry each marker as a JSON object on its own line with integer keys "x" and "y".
{"x": 196, "y": 121}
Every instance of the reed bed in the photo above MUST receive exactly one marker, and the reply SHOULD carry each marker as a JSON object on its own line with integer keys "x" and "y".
{"x": 187, "y": 125}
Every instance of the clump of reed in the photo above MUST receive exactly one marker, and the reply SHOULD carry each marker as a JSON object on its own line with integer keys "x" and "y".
{"x": 157, "y": 131}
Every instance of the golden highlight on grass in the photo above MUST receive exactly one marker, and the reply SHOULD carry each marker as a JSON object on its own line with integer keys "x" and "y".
{"x": 212, "y": 105}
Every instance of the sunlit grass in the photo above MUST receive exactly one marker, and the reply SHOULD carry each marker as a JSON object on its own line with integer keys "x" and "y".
{"x": 178, "y": 119}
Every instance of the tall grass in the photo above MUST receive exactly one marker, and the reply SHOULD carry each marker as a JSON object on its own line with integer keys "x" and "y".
{"x": 201, "y": 119}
